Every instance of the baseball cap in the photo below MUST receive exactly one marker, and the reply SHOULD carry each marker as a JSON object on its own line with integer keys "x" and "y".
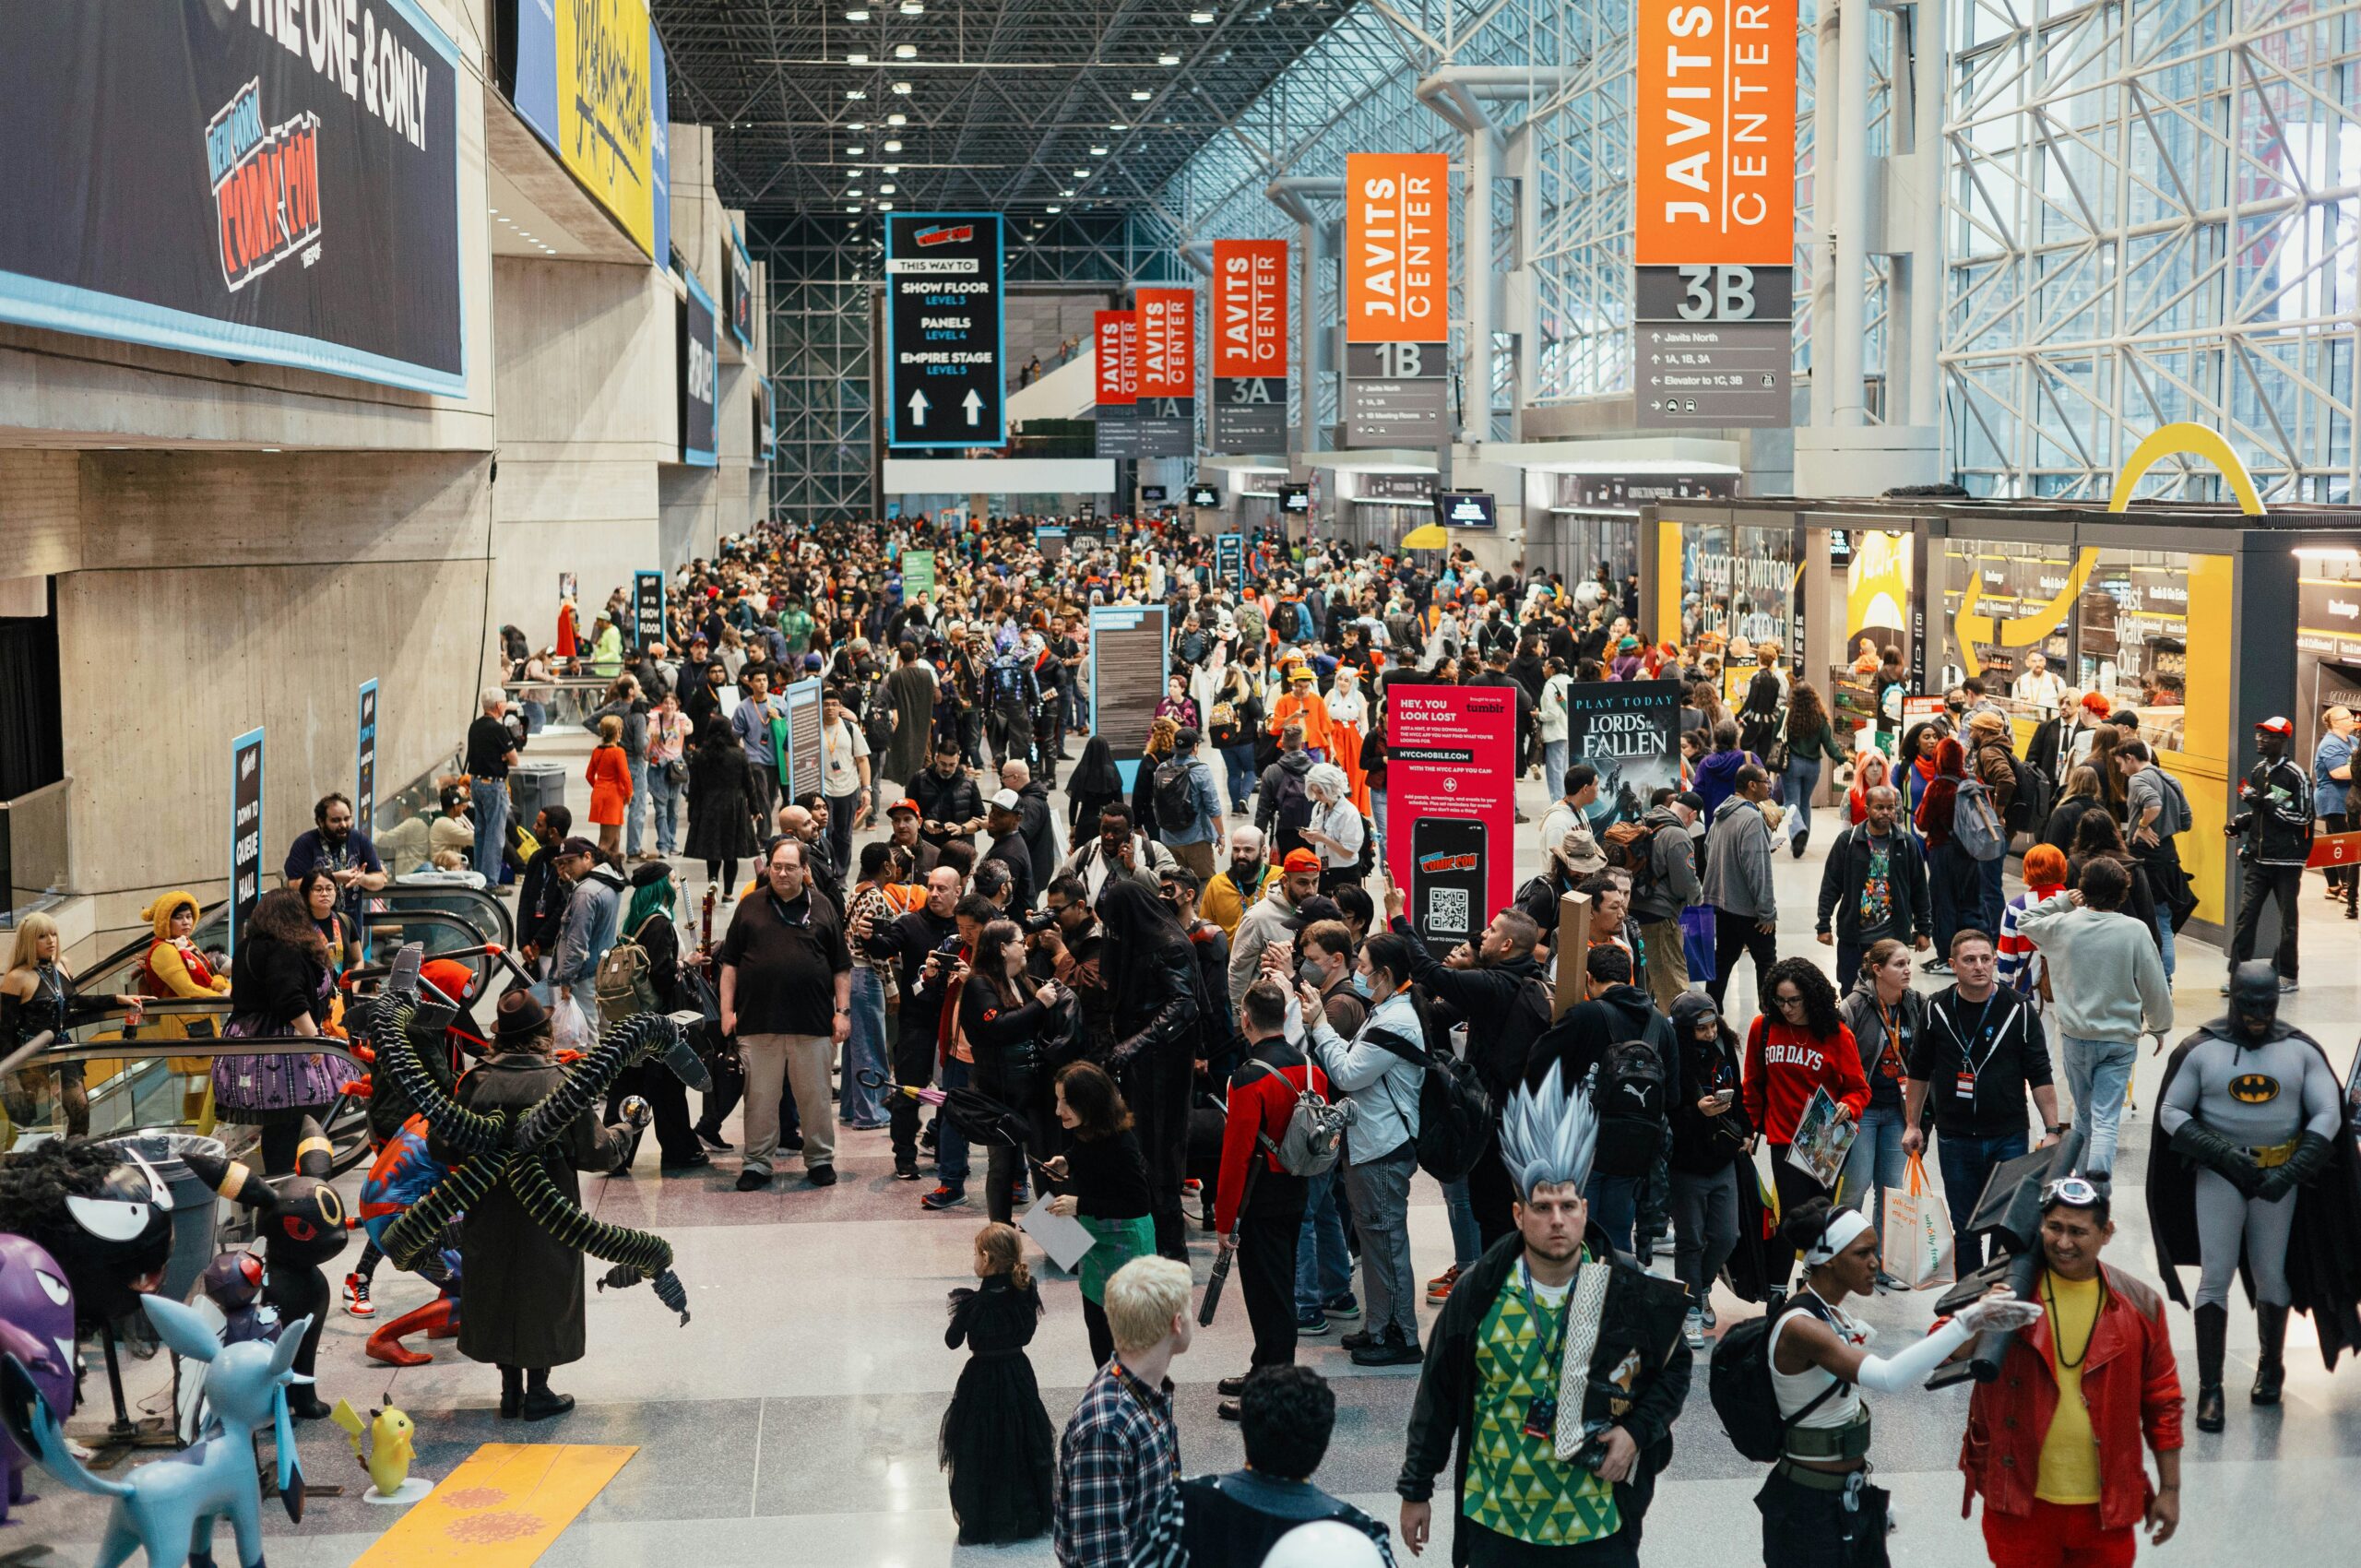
{"x": 910, "y": 806}
{"x": 2275, "y": 725}
{"x": 1299, "y": 860}
{"x": 578, "y": 846}
{"x": 1691, "y": 799}
{"x": 1008, "y": 800}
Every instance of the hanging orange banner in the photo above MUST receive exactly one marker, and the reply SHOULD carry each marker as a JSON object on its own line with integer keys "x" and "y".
{"x": 1250, "y": 327}
{"x": 1397, "y": 248}
{"x": 1714, "y": 142}
{"x": 1168, "y": 343}
{"x": 1115, "y": 344}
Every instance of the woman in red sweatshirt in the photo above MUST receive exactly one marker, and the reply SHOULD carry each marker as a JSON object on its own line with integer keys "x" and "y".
{"x": 1261, "y": 1101}
{"x": 1800, "y": 1045}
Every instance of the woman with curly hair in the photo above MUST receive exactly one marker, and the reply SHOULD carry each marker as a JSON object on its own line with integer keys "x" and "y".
{"x": 1798, "y": 1044}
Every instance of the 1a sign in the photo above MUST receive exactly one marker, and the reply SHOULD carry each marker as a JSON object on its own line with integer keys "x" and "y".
{"x": 945, "y": 338}
{"x": 365, "y": 765}
{"x": 647, "y": 609}
{"x": 1165, "y": 413}
{"x": 1115, "y": 381}
{"x": 245, "y": 830}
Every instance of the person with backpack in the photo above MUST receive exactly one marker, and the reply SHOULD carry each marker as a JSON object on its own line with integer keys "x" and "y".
{"x": 1873, "y": 887}
{"x": 1739, "y": 885}
{"x": 1380, "y": 1073}
{"x": 1620, "y": 1052}
{"x": 1278, "y": 1131}
{"x": 1535, "y": 1480}
{"x": 641, "y": 973}
{"x": 1283, "y": 798}
{"x": 1188, "y": 810}
{"x": 1953, "y": 881}
{"x": 1660, "y": 857}
{"x": 1710, "y": 1136}
{"x": 1992, "y": 763}
{"x": 1790, "y": 1392}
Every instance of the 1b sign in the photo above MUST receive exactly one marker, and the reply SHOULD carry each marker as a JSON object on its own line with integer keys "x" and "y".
{"x": 1715, "y": 143}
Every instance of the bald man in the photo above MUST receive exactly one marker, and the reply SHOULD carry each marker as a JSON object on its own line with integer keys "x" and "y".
{"x": 1237, "y": 885}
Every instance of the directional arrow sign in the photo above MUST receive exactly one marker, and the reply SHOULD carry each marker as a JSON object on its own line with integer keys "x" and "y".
{"x": 944, "y": 334}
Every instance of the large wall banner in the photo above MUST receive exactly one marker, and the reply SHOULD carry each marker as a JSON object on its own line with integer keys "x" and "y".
{"x": 1166, "y": 413}
{"x": 1115, "y": 381}
{"x": 364, "y": 764}
{"x": 1249, "y": 413}
{"x": 1450, "y": 820}
{"x": 739, "y": 288}
{"x": 699, "y": 369}
{"x": 273, "y": 183}
{"x": 583, "y": 74}
{"x": 946, "y": 335}
{"x": 1630, "y": 730}
{"x": 1397, "y": 297}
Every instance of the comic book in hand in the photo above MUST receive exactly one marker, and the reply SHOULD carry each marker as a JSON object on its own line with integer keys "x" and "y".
{"x": 1821, "y": 1139}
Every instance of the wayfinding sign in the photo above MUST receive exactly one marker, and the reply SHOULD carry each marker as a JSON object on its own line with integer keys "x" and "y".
{"x": 1249, "y": 413}
{"x": 1397, "y": 297}
{"x": 1714, "y": 345}
{"x": 945, "y": 336}
{"x": 1115, "y": 346}
{"x": 1165, "y": 413}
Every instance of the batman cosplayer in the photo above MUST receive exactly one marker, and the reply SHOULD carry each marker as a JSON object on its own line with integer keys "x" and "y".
{"x": 2257, "y": 1178}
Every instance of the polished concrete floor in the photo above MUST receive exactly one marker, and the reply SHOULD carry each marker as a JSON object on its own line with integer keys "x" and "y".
{"x": 794, "y": 1421}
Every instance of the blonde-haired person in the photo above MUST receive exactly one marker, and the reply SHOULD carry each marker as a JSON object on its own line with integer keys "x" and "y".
{"x": 1119, "y": 1462}
{"x": 36, "y": 997}
{"x": 609, "y": 777}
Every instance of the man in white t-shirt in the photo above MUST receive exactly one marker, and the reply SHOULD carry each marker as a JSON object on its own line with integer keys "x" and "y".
{"x": 844, "y": 775}
{"x": 2039, "y": 687}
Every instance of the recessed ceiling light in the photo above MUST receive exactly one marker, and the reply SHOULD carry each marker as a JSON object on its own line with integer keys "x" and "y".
{"x": 905, "y": 52}
{"x": 857, "y": 58}
{"x": 1168, "y": 59}
{"x": 1140, "y": 95}
{"x": 886, "y": 189}
{"x": 854, "y": 94}
{"x": 893, "y": 146}
{"x": 897, "y": 119}
{"x": 903, "y": 88}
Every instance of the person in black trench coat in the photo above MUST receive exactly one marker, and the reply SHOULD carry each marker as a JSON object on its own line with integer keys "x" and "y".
{"x": 520, "y": 1290}
{"x": 722, "y": 805}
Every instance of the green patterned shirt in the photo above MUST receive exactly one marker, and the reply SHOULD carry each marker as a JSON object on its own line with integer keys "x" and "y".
{"x": 1517, "y": 1485}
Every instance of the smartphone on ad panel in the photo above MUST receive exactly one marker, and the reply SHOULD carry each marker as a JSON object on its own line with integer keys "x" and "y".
{"x": 1447, "y": 880}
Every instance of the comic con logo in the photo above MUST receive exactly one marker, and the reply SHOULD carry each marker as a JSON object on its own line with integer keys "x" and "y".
{"x": 1436, "y": 865}
{"x": 265, "y": 186}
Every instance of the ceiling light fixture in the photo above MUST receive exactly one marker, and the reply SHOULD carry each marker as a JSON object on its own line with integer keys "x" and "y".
{"x": 1082, "y": 173}
{"x": 855, "y": 152}
{"x": 1053, "y": 208}
{"x": 893, "y": 168}
{"x": 856, "y": 124}
{"x": 857, "y": 14}
{"x": 897, "y": 119}
{"x": 1168, "y": 59}
{"x": 893, "y": 146}
{"x": 856, "y": 59}
{"x": 886, "y": 189}
{"x": 853, "y": 94}
{"x": 905, "y": 52}
{"x": 1097, "y": 152}
{"x": 1202, "y": 19}
{"x": 914, "y": 7}
{"x": 854, "y": 207}
{"x": 884, "y": 207}
{"x": 903, "y": 88}
{"x": 1140, "y": 95}
{"x": 1062, "y": 193}
{"x": 1117, "y": 126}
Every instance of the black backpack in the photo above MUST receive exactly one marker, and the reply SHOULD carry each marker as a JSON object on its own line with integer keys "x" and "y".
{"x": 1175, "y": 797}
{"x": 2036, "y": 793}
{"x": 1629, "y": 1095}
{"x": 1456, "y": 1117}
{"x": 1738, "y": 1380}
{"x": 1290, "y": 801}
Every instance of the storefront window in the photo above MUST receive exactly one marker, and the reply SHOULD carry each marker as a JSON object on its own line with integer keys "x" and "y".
{"x": 1873, "y": 616}
{"x": 2328, "y": 638}
{"x": 1737, "y": 584}
{"x": 2132, "y": 630}
{"x": 2016, "y": 585}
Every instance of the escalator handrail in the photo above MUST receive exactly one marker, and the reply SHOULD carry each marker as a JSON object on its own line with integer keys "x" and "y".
{"x": 504, "y": 933}
{"x": 249, "y": 1045}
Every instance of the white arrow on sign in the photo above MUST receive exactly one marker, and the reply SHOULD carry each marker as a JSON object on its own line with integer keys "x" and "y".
{"x": 919, "y": 407}
{"x": 974, "y": 404}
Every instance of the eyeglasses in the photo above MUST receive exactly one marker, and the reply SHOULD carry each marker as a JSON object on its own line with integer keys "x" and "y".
{"x": 2072, "y": 1191}
{"x": 1788, "y": 1001}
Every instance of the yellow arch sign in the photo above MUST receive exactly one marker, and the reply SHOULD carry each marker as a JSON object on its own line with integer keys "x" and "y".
{"x": 2171, "y": 441}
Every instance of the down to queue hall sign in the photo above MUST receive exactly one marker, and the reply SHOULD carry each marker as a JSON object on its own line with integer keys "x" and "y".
{"x": 1713, "y": 244}
{"x": 944, "y": 332}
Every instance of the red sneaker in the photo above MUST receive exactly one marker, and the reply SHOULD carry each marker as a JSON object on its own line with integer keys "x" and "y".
{"x": 1438, "y": 1288}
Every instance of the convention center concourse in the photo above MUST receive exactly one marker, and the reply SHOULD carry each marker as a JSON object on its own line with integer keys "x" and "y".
{"x": 1179, "y": 783}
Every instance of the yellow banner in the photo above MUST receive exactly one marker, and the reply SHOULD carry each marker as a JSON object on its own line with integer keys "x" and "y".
{"x": 603, "y": 109}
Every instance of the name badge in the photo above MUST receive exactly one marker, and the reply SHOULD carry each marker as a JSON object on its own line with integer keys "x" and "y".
{"x": 1964, "y": 1086}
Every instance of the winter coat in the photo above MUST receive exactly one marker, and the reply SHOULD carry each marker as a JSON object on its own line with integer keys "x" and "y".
{"x": 1717, "y": 778}
{"x": 1672, "y": 854}
{"x": 722, "y": 805}
{"x": 1738, "y": 861}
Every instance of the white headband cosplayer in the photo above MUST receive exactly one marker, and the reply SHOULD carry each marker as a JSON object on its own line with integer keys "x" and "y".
{"x": 1548, "y": 1137}
{"x": 1845, "y": 1225}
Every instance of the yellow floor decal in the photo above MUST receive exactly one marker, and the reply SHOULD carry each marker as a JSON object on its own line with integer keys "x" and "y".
{"x": 501, "y": 1508}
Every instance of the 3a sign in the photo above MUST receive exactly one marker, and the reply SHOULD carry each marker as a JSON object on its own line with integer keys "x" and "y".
{"x": 1714, "y": 138}
{"x": 245, "y": 830}
{"x": 945, "y": 336}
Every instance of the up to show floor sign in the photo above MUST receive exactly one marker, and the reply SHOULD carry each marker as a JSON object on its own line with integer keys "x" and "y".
{"x": 1451, "y": 805}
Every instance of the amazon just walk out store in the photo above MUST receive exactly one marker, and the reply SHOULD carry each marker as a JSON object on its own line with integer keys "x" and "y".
{"x": 2200, "y": 619}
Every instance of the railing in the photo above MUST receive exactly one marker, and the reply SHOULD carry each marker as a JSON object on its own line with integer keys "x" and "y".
{"x": 553, "y": 704}
{"x": 36, "y": 851}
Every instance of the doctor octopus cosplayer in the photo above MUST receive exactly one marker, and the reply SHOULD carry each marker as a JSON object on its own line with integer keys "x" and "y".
{"x": 2259, "y": 1181}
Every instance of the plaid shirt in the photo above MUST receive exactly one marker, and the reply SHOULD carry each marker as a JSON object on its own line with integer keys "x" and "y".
{"x": 1119, "y": 1471}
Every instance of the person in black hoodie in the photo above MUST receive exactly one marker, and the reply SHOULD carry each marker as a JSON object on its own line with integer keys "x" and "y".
{"x": 910, "y": 940}
{"x": 1151, "y": 974}
{"x": 1004, "y": 1012}
{"x": 542, "y": 894}
{"x": 1583, "y": 1047}
{"x": 1710, "y": 1133}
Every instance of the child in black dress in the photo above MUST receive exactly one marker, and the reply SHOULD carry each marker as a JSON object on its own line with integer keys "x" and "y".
{"x": 997, "y": 1442}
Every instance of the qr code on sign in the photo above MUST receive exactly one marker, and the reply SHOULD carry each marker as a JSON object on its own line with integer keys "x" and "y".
{"x": 1447, "y": 910}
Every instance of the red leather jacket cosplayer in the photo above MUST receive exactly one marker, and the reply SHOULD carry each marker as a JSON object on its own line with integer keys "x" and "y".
{"x": 2128, "y": 1381}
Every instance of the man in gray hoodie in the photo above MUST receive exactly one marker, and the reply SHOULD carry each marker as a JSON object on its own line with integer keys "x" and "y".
{"x": 2092, "y": 949}
{"x": 1670, "y": 885}
{"x": 1737, "y": 884}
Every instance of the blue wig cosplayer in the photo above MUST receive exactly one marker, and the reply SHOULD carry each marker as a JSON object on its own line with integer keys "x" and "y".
{"x": 1548, "y": 1136}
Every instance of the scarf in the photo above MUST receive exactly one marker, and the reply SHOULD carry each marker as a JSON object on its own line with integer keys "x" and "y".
{"x": 1586, "y": 1304}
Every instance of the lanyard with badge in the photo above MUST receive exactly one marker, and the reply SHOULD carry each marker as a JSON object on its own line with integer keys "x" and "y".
{"x": 1541, "y": 1415}
{"x": 1969, "y": 1068}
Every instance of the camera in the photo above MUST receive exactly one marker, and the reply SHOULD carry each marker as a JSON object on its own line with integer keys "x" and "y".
{"x": 1039, "y": 920}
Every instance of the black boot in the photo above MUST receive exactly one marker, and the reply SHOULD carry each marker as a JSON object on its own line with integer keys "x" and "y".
{"x": 2213, "y": 1331}
{"x": 2270, "y": 1371}
{"x": 512, "y": 1390}
{"x": 540, "y": 1404}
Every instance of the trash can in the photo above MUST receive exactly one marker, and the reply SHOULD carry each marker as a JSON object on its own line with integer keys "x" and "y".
{"x": 194, "y": 1204}
{"x": 532, "y": 786}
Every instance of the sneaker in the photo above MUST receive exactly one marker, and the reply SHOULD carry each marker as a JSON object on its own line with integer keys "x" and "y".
{"x": 356, "y": 1296}
{"x": 791, "y": 1142}
{"x": 754, "y": 1180}
{"x": 1707, "y": 1313}
{"x": 711, "y": 1138}
{"x": 1936, "y": 967}
{"x": 1438, "y": 1288}
{"x": 1388, "y": 1352}
{"x": 944, "y": 1196}
{"x": 1359, "y": 1339}
{"x": 906, "y": 1170}
{"x": 822, "y": 1175}
{"x": 1692, "y": 1329}
{"x": 2286, "y": 986}
{"x": 1312, "y": 1320}
{"x": 1021, "y": 1195}
{"x": 1342, "y": 1305}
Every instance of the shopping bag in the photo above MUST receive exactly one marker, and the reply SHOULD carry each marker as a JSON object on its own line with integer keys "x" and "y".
{"x": 569, "y": 1030}
{"x": 1697, "y": 942}
{"x": 1917, "y": 1233}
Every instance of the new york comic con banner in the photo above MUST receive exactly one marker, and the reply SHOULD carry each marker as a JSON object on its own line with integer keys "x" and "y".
{"x": 268, "y": 180}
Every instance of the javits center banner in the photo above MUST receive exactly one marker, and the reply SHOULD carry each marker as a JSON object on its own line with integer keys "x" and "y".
{"x": 276, "y": 181}
{"x": 1630, "y": 730}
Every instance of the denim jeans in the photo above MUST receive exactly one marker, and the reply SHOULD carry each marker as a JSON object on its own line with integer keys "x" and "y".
{"x": 864, "y": 1050}
{"x": 1238, "y": 761}
{"x": 488, "y": 799}
{"x": 1967, "y": 1165}
{"x": 1379, "y": 1191}
{"x": 1466, "y": 1240}
{"x": 2098, "y": 1074}
{"x": 1324, "y": 1270}
{"x": 1874, "y": 1163}
{"x": 1989, "y": 897}
{"x": 535, "y": 717}
{"x": 635, "y": 814}
{"x": 2165, "y": 938}
{"x": 1377, "y": 820}
{"x": 1554, "y": 755}
{"x": 665, "y": 796}
{"x": 1614, "y": 1204}
{"x": 951, "y": 1144}
{"x": 1798, "y": 784}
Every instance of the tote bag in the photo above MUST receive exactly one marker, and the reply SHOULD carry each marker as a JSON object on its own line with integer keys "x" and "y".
{"x": 1917, "y": 1232}
{"x": 1697, "y": 942}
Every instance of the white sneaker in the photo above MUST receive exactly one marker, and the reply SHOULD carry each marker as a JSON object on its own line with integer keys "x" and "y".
{"x": 1693, "y": 1329}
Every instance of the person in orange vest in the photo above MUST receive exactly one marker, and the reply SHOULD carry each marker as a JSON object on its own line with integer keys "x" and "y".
{"x": 1302, "y": 704}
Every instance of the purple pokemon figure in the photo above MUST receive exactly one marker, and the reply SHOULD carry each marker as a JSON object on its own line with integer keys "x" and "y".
{"x": 37, "y": 1328}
